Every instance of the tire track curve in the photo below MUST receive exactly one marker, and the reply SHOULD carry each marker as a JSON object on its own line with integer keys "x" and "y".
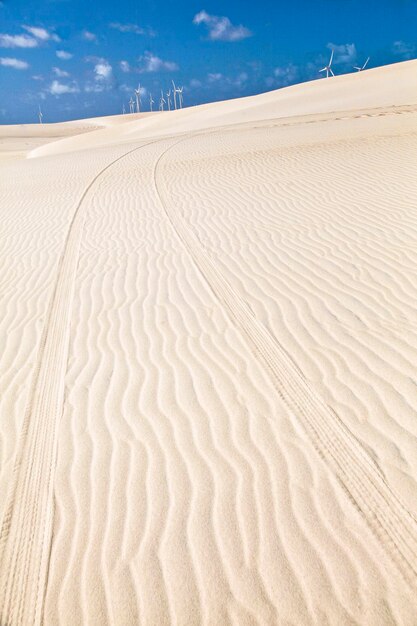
{"x": 363, "y": 482}
{"x": 26, "y": 531}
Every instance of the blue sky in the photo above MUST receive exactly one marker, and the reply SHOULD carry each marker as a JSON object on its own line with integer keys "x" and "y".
{"x": 82, "y": 59}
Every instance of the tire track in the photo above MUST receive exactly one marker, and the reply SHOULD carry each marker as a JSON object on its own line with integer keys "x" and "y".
{"x": 26, "y": 532}
{"x": 388, "y": 519}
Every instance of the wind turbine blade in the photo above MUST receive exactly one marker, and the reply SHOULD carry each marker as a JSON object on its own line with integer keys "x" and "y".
{"x": 323, "y": 70}
{"x": 366, "y": 63}
{"x": 331, "y": 71}
{"x": 331, "y": 58}
{"x": 355, "y": 67}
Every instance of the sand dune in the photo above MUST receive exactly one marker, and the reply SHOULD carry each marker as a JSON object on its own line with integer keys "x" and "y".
{"x": 208, "y": 375}
{"x": 17, "y": 141}
{"x": 394, "y": 85}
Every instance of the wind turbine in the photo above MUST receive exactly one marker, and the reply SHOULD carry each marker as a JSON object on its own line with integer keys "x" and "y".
{"x": 132, "y": 105}
{"x": 175, "y": 95}
{"x": 123, "y": 109}
{"x": 162, "y": 101}
{"x": 328, "y": 68}
{"x": 363, "y": 66}
{"x": 179, "y": 91}
{"x": 168, "y": 95}
{"x": 151, "y": 101}
{"x": 40, "y": 115}
{"x": 137, "y": 95}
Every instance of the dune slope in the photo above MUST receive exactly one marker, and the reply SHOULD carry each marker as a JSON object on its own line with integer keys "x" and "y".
{"x": 208, "y": 382}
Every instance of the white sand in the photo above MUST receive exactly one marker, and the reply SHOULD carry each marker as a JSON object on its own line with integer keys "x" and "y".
{"x": 208, "y": 373}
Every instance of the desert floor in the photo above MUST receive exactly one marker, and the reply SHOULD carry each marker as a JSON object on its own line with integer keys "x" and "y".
{"x": 208, "y": 362}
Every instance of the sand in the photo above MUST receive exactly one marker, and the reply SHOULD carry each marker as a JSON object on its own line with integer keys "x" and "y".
{"x": 208, "y": 372}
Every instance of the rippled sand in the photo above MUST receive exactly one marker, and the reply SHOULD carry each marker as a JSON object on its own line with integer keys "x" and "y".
{"x": 208, "y": 364}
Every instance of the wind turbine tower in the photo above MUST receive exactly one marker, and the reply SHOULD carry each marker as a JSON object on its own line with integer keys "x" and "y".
{"x": 151, "y": 102}
{"x": 40, "y": 115}
{"x": 175, "y": 95}
{"x": 180, "y": 98}
{"x": 328, "y": 68}
{"x": 162, "y": 101}
{"x": 131, "y": 105}
{"x": 137, "y": 95}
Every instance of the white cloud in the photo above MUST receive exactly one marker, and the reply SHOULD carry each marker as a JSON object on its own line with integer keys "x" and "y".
{"x": 58, "y": 89}
{"x": 14, "y": 63}
{"x": 286, "y": 75}
{"x": 152, "y": 63}
{"x": 103, "y": 70}
{"x": 89, "y": 36}
{"x": 41, "y": 33}
{"x": 97, "y": 87}
{"x": 343, "y": 53}
{"x": 132, "y": 28}
{"x": 65, "y": 56}
{"x": 221, "y": 28}
{"x": 212, "y": 78}
{"x": 403, "y": 49}
{"x": 234, "y": 81}
{"x": 241, "y": 79}
{"x": 124, "y": 66}
{"x": 60, "y": 73}
{"x": 126, "y": 88}
{"x": 17, "y": 41}
{"x": 194, "y": 82}
{"x": 94, "y": 87}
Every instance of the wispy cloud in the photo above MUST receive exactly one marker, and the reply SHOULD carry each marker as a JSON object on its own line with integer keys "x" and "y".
{"x": 226, "y": 81}
{"x": 60, "y": 73}
{"x": 152, "y": 63}
{"x": 221, "y": 28}
{"x": 214, "y": 77}
{"x": 404, "y": 49}
{"x": 132, "y": 28}
{"x": 285, "y": 75}
{"x": 103, "y": 75}
{"x": 124, "y": 66}
{"x": 62, "y": 54}
{"x": 343, "y": 53}
{"x": 103, "y": 70}
{"x": 97, "y": 87}
{"x": 241, "y": 79}
{"x": 17, "y": 41}
{"x": 14, "y": 63}
{"x": 88, "y": 35}
{"x": 41, "y": 33}
{"x": 195, "y": 83}
{"x": 126, "y": 88}
{"x": 58, "y": 89}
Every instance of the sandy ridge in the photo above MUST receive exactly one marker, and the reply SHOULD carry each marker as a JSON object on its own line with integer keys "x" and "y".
{"x": 383, "y": 511}
{"x": 129, "y": 130}
{"x": 27, "y": 525}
